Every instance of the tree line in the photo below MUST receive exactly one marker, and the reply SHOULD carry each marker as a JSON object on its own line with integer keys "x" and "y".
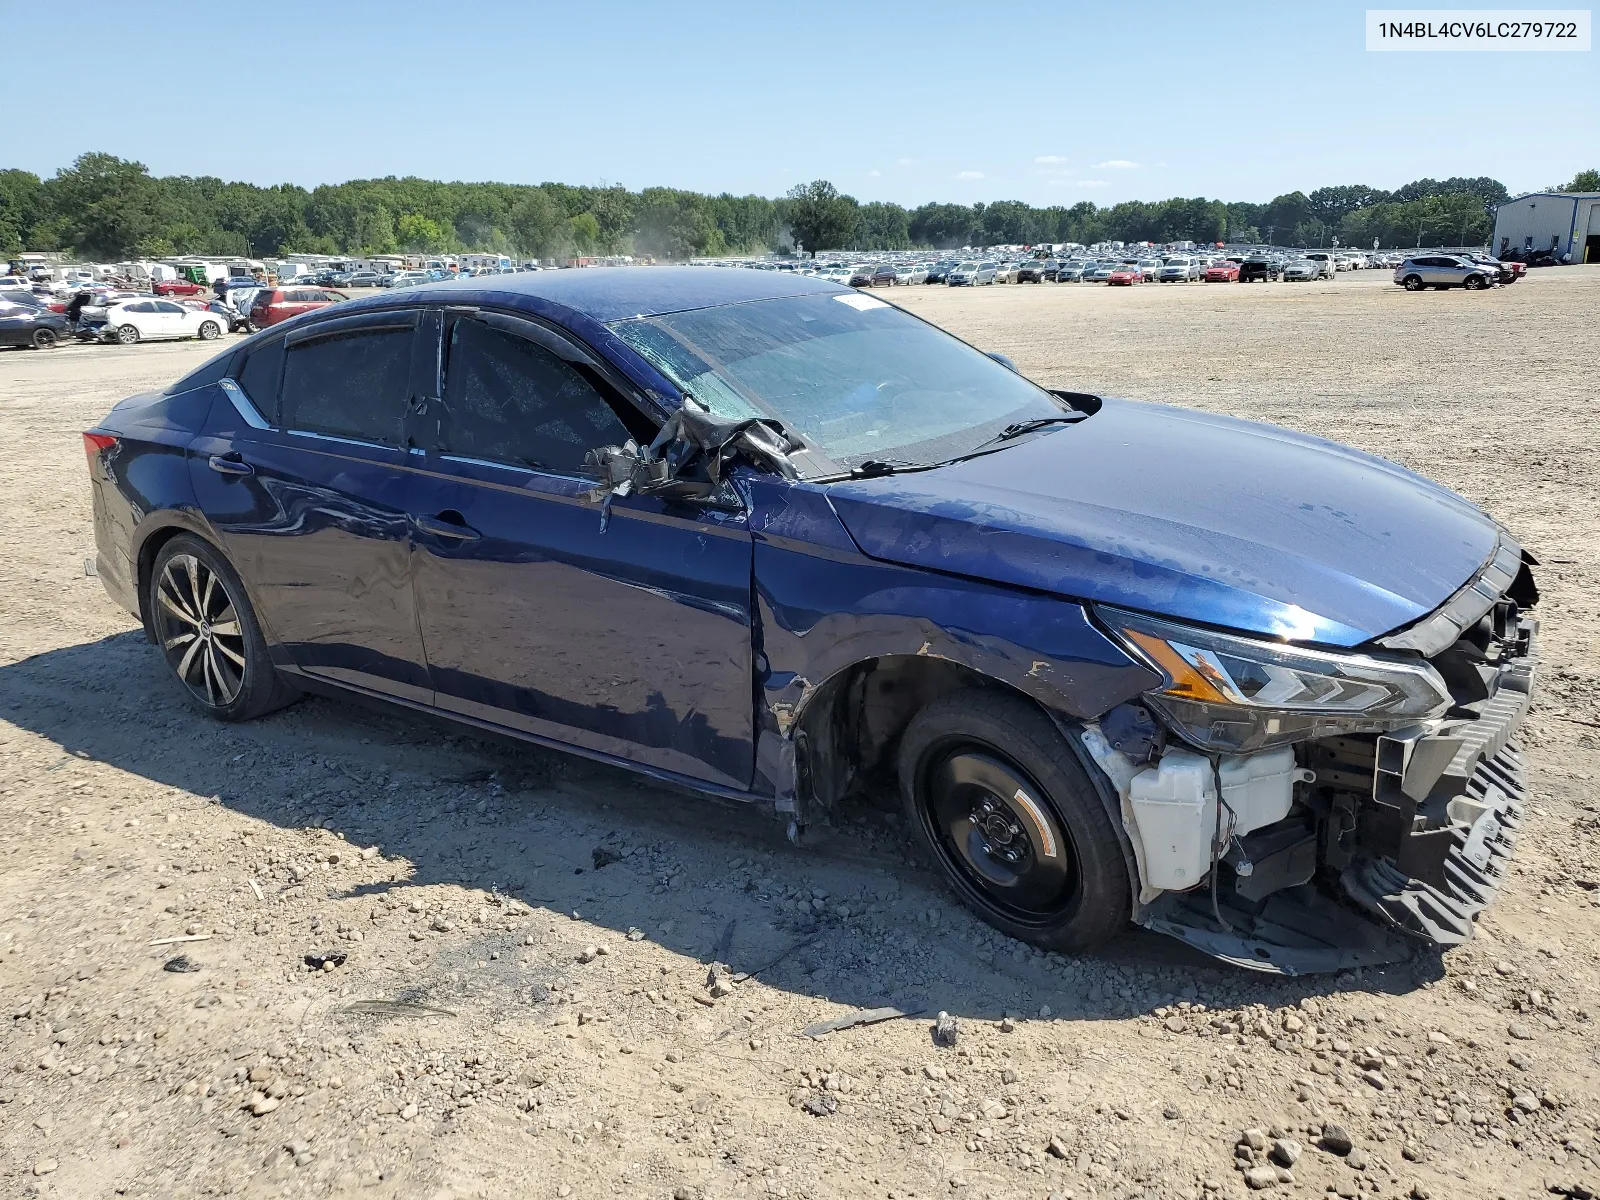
{"x": 105, "y": 208}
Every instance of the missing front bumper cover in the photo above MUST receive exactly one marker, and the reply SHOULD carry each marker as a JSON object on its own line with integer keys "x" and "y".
{"x": 1428, "y": 852}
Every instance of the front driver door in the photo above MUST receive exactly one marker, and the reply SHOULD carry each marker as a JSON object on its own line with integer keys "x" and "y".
{"x": 633, "y": 642}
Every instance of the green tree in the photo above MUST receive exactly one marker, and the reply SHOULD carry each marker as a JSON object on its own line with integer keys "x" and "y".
{"x": 108, "y": 207}
{"x": 537, "y": 226}
{"x": 1583, "y": 181}
{"x": 585, "y": 232}
{"x": 419, "y": 234}
{"x": 819, "y": 217}
{"x": 881, "y": 226}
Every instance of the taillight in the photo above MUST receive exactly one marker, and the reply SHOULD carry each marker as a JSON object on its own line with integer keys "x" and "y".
{"x": 96, "y": 444}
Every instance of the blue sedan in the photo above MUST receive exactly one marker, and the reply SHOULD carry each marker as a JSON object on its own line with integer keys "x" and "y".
{"x": 774, "y": 539}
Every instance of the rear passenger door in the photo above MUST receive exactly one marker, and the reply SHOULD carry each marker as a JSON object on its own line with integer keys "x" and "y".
{"x": 632, "y": 642}
{"x": 305, "y": 479}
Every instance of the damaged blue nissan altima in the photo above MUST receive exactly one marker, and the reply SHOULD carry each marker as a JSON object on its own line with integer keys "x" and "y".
{"x": 777, "y": 540}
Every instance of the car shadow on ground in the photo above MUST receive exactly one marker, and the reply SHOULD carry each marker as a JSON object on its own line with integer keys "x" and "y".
{"x": 856, "y": 917}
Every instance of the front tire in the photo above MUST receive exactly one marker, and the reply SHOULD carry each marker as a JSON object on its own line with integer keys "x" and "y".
{"x": 1008, "y": 812}
{"x": 1476, "y": 283}
{"x": 1412, "y": 283}
{"x": 127, "y": 335}
{"x": 208, "y": 633}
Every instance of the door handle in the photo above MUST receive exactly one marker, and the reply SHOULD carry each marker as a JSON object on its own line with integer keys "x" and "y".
{"x": 457, "y": 530}
{"x": 230, "y": 464}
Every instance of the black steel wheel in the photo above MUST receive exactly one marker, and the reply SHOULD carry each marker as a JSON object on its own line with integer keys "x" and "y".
{"x": 1013, "y": 820}
{"x": 199, "y": 615}
{"x": 986, "y": 817}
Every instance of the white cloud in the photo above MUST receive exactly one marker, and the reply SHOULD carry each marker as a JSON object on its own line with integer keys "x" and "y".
{"x": 969, "y": 174}
{"x": 874, "y": 173}
{"x": 1092, "y": 183}
{"x": 1049, "y": 159}
{"x": 907, "y": 162}
{"x": 1116, "y": 164}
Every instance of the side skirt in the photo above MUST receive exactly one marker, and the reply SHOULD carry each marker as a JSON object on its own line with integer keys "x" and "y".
{"x": 338, "y": 691}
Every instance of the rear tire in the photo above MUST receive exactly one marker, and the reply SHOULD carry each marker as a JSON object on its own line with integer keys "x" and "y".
{"x": 1008, "y": 812}
{"x": 209, "y": 331}
{"x": 127, "y": 335}
{"x": 209, "y": 635}
{"x": 44, "y": 339}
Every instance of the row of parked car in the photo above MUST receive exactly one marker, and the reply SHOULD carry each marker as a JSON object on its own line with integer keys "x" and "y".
{"x": 1259, "y": 266}
{"x": 123, "y": 316}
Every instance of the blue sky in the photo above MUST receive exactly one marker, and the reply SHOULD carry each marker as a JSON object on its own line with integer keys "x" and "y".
{"x": 1005, "y": 99}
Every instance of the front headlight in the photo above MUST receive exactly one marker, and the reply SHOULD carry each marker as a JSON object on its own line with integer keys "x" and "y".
{"x": 1236, "y": 694}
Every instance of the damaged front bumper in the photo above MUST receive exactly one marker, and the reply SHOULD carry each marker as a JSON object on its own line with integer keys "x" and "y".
{"x": 1399, "y": 841}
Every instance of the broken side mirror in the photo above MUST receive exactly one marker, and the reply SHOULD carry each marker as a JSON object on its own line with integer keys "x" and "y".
{"x": 626, "y": 471}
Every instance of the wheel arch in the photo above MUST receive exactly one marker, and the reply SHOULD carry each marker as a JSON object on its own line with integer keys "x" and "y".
{"x": 846, "y": 734}
{"x": 168, "y": 525}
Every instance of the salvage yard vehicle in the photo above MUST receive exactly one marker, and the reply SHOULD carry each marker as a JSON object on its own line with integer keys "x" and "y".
{"x": 1224, "y": 271}
{"x": 1179, "y": 270}
{"x": 272, "y": 305}
{"x": 1301, "y": 270}
{"x": 1259, "y": 267}
{"x": 971, "y": 274}
{"x": 1126, "y": 275}
{"x": 777, "y": 540}
{"x": 152, "y": 320}
{"x": 1443, "y": 271}
{"x": 1505, "y": 272}
{"x": 31, "y": 325}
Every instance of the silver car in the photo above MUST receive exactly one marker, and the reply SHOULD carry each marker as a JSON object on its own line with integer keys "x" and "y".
{"x": 1327, "y": 264}
{"x": 1302, "y": 269}
{"x": 1442, "y": 271}
{"x": 1098, "y": 272}
{"x": 1071, "y": 272}
{"x": 972, "y": 274}
{"x": 1179, "y": 270}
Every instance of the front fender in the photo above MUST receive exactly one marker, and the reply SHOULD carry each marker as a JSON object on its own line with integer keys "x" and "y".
{"x": 823, "y": 608}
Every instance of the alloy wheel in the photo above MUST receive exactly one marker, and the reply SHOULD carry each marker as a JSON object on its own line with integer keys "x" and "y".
{"x": 998, "y": 835}
{"x": 198, "y": 627}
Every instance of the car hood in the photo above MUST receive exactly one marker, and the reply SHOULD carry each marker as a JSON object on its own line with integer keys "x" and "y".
{"x": 1190, "y": 515}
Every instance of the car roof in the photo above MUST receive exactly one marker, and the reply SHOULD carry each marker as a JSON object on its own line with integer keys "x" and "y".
{"x": 606, "y": 294}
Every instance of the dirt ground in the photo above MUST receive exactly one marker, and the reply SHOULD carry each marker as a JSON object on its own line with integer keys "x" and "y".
{"x": 549, "y": 927}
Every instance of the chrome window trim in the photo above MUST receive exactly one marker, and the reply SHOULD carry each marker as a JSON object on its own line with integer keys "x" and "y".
{"x": 1441, "y": 628}
{"x": 343, "y": 441}
{"x": 241, "y": 403}
{"x": 543, "y": 472}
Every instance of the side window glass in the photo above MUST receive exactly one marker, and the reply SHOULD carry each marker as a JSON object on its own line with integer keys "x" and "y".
{"x": 261, "y": 376}
{"x": 349, "y": 385}
{"x": 508, "y": 400}
{"x": 163, "y": 306}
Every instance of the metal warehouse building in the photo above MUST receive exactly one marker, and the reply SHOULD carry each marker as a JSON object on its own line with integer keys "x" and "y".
{"x": 1565, "y": 222}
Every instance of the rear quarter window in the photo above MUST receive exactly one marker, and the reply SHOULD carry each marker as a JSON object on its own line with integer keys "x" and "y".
{"x": 261, "y": 378}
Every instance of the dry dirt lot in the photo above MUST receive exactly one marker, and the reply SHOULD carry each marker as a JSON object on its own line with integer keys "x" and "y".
{"x": 568, "y": 1043}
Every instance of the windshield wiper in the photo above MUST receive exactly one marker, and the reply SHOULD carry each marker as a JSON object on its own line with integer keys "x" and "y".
{"x": 875, "y": 467}
{"x": 1021, "y": 427}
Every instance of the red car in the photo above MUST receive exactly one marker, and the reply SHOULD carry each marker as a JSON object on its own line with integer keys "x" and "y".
{"x": 279, "y": 304}
{"x": 1126, "y": 276}
{"x": 177, "y": 287}
{"x": 1225, "y": 271}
